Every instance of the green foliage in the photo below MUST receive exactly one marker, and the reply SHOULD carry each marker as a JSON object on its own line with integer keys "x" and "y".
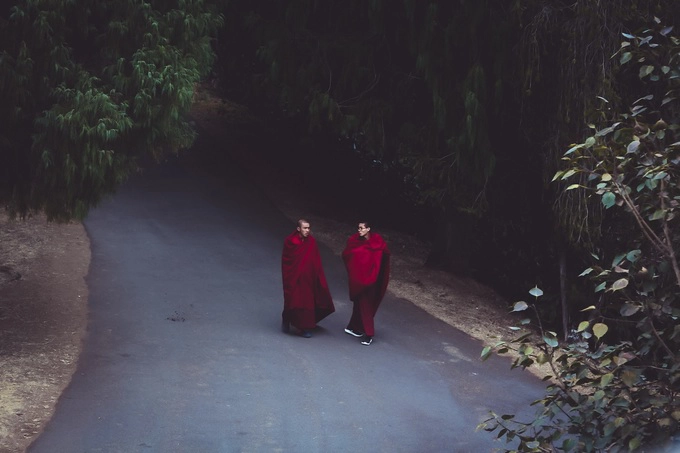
{"x": 566, "y": 63}
{"x": 618, "y": 389}
{"x": 90, "y": 87}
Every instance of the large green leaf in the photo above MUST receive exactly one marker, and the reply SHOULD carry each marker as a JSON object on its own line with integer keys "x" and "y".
{"x": 646, "y": 70}
{"x": 619, "y": 284}
{"x": 658, "y": 214}
{"x": 486, "y": 352}
{"x": 568, "y": 174}
{"x": 550, "y": 339}
{"x": 606, "y": 379}
{"x": 600, "y": 329}
{"x": 633, "y": 255}
{"x": 608, "y": 200}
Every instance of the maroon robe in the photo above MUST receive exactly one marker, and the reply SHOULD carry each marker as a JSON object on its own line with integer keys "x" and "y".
{"x": 368, "y": 270}
{"x": 306, "y": 298}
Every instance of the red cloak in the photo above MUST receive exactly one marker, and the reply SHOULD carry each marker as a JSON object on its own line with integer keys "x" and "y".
{"x": 368, "y": 267}
{"x": 306, "y": 297}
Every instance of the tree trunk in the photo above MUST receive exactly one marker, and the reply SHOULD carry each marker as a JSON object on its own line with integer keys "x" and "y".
{"x": 563, "y": 292}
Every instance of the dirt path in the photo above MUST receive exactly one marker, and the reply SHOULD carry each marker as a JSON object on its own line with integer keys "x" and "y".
{"x": 43, "y": 311}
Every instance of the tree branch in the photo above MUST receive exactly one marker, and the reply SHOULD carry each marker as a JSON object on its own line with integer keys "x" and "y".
{"x": 667, "y": 234}
{"x": 649, "y": 233}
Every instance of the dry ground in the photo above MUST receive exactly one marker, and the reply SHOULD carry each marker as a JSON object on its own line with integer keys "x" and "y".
{"x": 43, "y": 293}
{"x": 43, "y": 315}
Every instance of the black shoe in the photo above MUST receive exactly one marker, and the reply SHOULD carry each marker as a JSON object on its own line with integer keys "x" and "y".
{"x": 285, "y": 327}
{"x": 306, "y": 334}
{"x": 353, "y": 333}
{"x": 367, "y": 340}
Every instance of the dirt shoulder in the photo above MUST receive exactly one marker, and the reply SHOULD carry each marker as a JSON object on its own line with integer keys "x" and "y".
{"x": 43, "y": 317}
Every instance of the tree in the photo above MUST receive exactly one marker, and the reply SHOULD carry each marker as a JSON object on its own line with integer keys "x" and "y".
{"x": 623, "y": 393}
{"x": 91, "y": 87}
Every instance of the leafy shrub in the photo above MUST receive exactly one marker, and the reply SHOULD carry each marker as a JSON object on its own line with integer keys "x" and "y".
{"x": 618, "y": 386}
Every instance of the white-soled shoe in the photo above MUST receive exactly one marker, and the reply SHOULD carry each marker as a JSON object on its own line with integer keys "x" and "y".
{"x": 353, "y": 333}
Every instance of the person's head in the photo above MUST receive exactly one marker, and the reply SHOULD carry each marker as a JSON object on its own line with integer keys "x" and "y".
{"x": 364, "y": 229}
{"x": 303, "y": 228}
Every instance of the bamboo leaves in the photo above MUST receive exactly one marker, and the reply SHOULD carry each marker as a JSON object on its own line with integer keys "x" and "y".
{"x": 78, "y": 125}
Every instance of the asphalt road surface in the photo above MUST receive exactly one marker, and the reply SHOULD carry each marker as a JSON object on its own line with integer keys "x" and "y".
{"x": 184, "y": 351}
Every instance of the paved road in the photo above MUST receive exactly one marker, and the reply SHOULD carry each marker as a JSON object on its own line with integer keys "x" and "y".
{"x": 184, "y": 353}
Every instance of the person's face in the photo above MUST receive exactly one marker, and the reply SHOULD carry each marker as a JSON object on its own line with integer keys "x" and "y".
{"x": 304, "y": 229}
{"x": 363, "y": 231}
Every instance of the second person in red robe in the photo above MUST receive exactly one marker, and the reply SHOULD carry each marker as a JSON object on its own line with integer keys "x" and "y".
{"x": 367, "y": 260}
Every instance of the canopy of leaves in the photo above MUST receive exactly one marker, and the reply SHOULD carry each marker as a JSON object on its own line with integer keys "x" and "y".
{"x": 89, "y": 87}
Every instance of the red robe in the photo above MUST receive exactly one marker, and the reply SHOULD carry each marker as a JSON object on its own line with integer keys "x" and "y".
{"x": 306, "y": 298}
{"x": 368, "y": 270}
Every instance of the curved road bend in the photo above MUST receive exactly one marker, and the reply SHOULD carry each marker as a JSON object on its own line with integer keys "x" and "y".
{"x": 184, "y": 353}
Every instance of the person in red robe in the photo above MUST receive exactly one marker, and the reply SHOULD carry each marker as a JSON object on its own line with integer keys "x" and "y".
{"x": 306, "y": 297}
{"x": 367, "y": 260}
